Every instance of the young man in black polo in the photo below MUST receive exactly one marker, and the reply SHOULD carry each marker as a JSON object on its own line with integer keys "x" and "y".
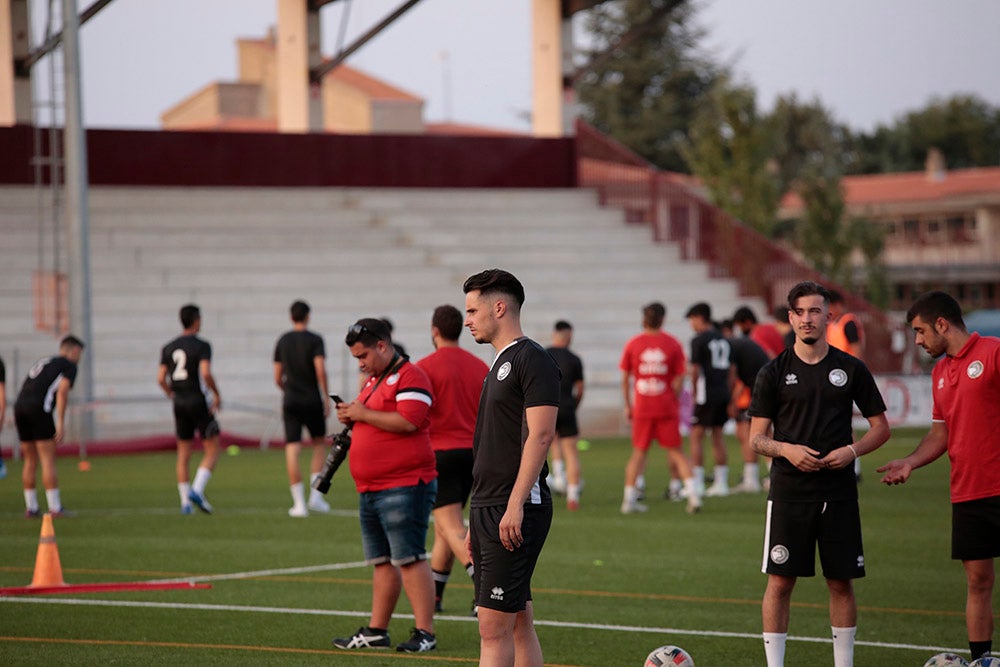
{"x": 511, "y": 509}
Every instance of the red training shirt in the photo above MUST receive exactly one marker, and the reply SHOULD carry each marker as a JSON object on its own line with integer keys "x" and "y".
{"x": 457, "y": 381}
{"x": 655, "y": 361}
{"x": 966, "y": 395}
{"x": 383, "y": 460}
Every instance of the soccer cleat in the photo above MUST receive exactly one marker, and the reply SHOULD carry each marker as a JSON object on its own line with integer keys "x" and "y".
{"x": 420, "y": 641}
{"x": 365, "y": 637}
{"x": 187, "y": 509}
{"x": 693, "y": 504}
{"x": 475, "y": 609}
{"x": 62, "y": 513}
{"x": 634, "y": 508}
{"x": 298, "y": 512}
{"x": 717, "y": 491}
{"x": 200, "y": 502}
{"x": 437, "y": 606}
{"x": 572, "y": 505}
{"x": 317, "y": 504}
{"x": 32, "y": 514}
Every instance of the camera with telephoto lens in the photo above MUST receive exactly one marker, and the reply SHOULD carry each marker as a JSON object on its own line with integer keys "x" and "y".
{"x": 341, "y": 443}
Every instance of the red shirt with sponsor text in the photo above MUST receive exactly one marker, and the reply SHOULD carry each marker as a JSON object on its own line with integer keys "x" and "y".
{"x": 654, "y": 361}
{"x": 381, "y": 459}
{"x": 966, "y": 393}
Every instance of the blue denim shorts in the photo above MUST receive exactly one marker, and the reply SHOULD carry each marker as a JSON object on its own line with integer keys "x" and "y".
{"x": 394, "y": 523}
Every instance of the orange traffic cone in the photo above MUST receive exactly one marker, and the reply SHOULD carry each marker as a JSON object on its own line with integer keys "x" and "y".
{"x": 48, "y": 569}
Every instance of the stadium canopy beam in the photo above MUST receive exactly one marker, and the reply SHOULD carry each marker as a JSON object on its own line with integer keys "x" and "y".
{"x": 24, "y": 66}
{"x": 316, "y": 74}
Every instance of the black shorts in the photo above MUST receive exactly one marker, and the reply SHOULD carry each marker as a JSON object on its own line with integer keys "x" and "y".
{"x": 454, "y": 468}
{"x": 793, "y": 530}
{"x": 191, "y": 414}
{"x": 33, "y": 423}
{"x": 503, "y": 578}
{"x": 975, "y": 529}
{"x": 299, "y": 415}
{"x": 566, "y": 426}
{"x": 710, "y": 415}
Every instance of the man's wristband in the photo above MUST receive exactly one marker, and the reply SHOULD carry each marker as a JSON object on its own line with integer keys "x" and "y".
{"x": 854, "y": 451}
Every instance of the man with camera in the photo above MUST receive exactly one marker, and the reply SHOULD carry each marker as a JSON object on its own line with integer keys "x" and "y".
{"x": 393, "y": 467}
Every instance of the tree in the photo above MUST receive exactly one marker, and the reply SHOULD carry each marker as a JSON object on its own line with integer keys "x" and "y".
{"x": 644, "y": 79}
{"x": 730, "y": 151}
{"x": 965, "y": 128}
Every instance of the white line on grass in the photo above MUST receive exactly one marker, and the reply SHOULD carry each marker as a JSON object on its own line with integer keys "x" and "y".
{"x": 464, "y": 619}
{"x": 329, "y": 567}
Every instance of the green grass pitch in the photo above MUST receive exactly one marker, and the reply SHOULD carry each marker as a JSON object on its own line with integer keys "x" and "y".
{"x": 608, "y": 589}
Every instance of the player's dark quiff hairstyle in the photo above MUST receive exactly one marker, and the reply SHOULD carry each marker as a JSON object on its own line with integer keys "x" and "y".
{"x": 448, "y": 321}
{"x": 653, "y": 315}
{"x": 807, "y": 288}
{"x": 299, "y": 311}
{"x": 189, "y": 315}
{"x": 496, "y": 281}
{"x": 71, "y": 341}
{"x": 932, "y": 305}
{"x": 563, "y": 325}
{"x": 700, "y": 309}
{"x": 744, "y": 314}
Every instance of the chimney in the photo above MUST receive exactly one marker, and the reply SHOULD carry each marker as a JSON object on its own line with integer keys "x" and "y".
{"x": 934, "y": 166}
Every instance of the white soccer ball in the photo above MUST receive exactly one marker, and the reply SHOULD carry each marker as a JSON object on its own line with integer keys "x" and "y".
{"x": 946, "y": 660}
{"x": 669, "y": 656}
{"x": 985, "y": 662}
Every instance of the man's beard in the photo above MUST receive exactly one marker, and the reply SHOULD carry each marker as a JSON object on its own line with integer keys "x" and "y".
{"x": 810, "y": 341}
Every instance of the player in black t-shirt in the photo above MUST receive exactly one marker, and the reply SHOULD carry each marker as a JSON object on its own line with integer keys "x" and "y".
{"x": 807, "y": 394}
{"x": 40, "y": 415}
{"x": 746, "y": 358}
{"x": 185, "y": 376}
{"x": 709, "y": 370}
{"x": 511, "y": 508}
{"x": 566, "y": 475}
{"x": 300, "y": 373}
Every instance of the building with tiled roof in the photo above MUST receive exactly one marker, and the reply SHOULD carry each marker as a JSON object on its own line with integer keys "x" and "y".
{"x": 942, "y": 229}
{"x": 353, "y": 102}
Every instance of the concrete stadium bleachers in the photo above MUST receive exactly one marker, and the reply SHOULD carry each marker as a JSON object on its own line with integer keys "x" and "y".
{"x": 244, "y": 255}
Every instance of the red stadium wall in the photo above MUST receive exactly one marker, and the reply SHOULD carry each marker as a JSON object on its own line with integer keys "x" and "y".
{"x": 150, "y": 158}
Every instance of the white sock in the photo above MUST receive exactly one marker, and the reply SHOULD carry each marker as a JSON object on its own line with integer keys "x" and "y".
{"x": 843, "y": 646}
{"x": 631, "y": 495}
{"x": 689, "y": 487}
{"x": 201, "y": 480}
{"x": 640, "y": 482}
{"x": 559, "y": 469}
{"x": 774, "y": 648}
{"x": 675, "y": 485}
{"x": 183, "y": 489}
{"x": 52, "y": 499}
{"x": 751, "y": 473}
{"x": 573, "y": 492}
{"x": 298, "y": 494}
{"x": 721, "y": 477}
{"x": 699, "y": 479}
{"x": 31, "y": 500}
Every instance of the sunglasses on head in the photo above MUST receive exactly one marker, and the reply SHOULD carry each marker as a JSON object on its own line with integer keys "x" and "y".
{"x": 354, "y": 333}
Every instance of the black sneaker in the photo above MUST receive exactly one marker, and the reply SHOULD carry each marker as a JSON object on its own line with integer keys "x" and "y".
{"x": 419, "y": 642}
{"x": 365, "y": 637}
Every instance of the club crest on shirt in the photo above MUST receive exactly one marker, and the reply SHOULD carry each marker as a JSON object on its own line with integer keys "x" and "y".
{"x": 791, "y": 378}
{"x": 975, "y": 369}
{"x": 392, "y": 379}
{"x": 503, "y": 371}
{"x": 838, "y": 377}
{"x": 779, "y": 554}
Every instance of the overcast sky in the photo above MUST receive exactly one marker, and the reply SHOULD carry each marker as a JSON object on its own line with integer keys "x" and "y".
{"x": 866, "y": 60}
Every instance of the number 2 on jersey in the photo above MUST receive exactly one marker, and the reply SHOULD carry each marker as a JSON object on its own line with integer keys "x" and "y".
{"x": 180, "y": 365}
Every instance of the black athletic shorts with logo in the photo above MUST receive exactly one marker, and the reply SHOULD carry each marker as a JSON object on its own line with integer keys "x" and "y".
{"x": 191, "y": 414}
{"x": 454, "y": 468}
{"x": 975, "y": 529}
{"x": 503, "y": 578}
{"x": 794, "y": 530}
{"x": 300, "y": 415}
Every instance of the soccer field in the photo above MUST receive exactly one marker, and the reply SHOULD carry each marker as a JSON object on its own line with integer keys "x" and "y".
{"x": 608, "y": 588}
